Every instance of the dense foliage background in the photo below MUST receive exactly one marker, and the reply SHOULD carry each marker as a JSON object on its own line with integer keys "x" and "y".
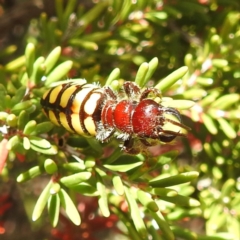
{"x": 189, "y": 189}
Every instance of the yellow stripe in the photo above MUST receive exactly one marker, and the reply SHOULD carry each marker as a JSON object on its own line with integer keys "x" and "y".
{"x": 64, "y": 122}
{"x": 90, "y": 125}
{"x": 45, "y": 94}
{"x": 77, "y": 125}
{"x": 66, "y": 96}
{"x": 54, "y": 94}
{"x": 52, "y": 117}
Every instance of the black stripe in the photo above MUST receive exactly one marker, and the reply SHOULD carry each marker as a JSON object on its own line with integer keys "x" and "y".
{"x": 68, "y": 110}
{"x": 46, "y": 104}
{"x": 56, "y": 107}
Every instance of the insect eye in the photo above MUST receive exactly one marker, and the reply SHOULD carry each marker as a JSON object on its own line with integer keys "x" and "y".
{"x": 167, "y": 138}
{"x": 172, "y": 120}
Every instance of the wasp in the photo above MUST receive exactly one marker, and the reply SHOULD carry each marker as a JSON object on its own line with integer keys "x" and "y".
{"x": 131, "y": 115}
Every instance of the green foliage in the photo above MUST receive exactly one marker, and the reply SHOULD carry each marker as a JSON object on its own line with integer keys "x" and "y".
{"x": 148, "y": 42}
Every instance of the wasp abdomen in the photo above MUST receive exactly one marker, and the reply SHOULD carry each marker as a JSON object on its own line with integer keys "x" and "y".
{"x": 74, "y": 106}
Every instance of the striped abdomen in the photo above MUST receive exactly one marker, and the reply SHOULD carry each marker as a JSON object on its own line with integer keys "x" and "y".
{"x": 76, "y": 107}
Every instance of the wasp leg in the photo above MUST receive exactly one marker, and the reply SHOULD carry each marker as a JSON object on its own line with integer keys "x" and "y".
{"x": 146, "y": 142}
{"x": 110, "y": 94}
{"x": 147, "y": 91}
{"x": 131, "y": 89}
{"x": 130, "y": 146}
